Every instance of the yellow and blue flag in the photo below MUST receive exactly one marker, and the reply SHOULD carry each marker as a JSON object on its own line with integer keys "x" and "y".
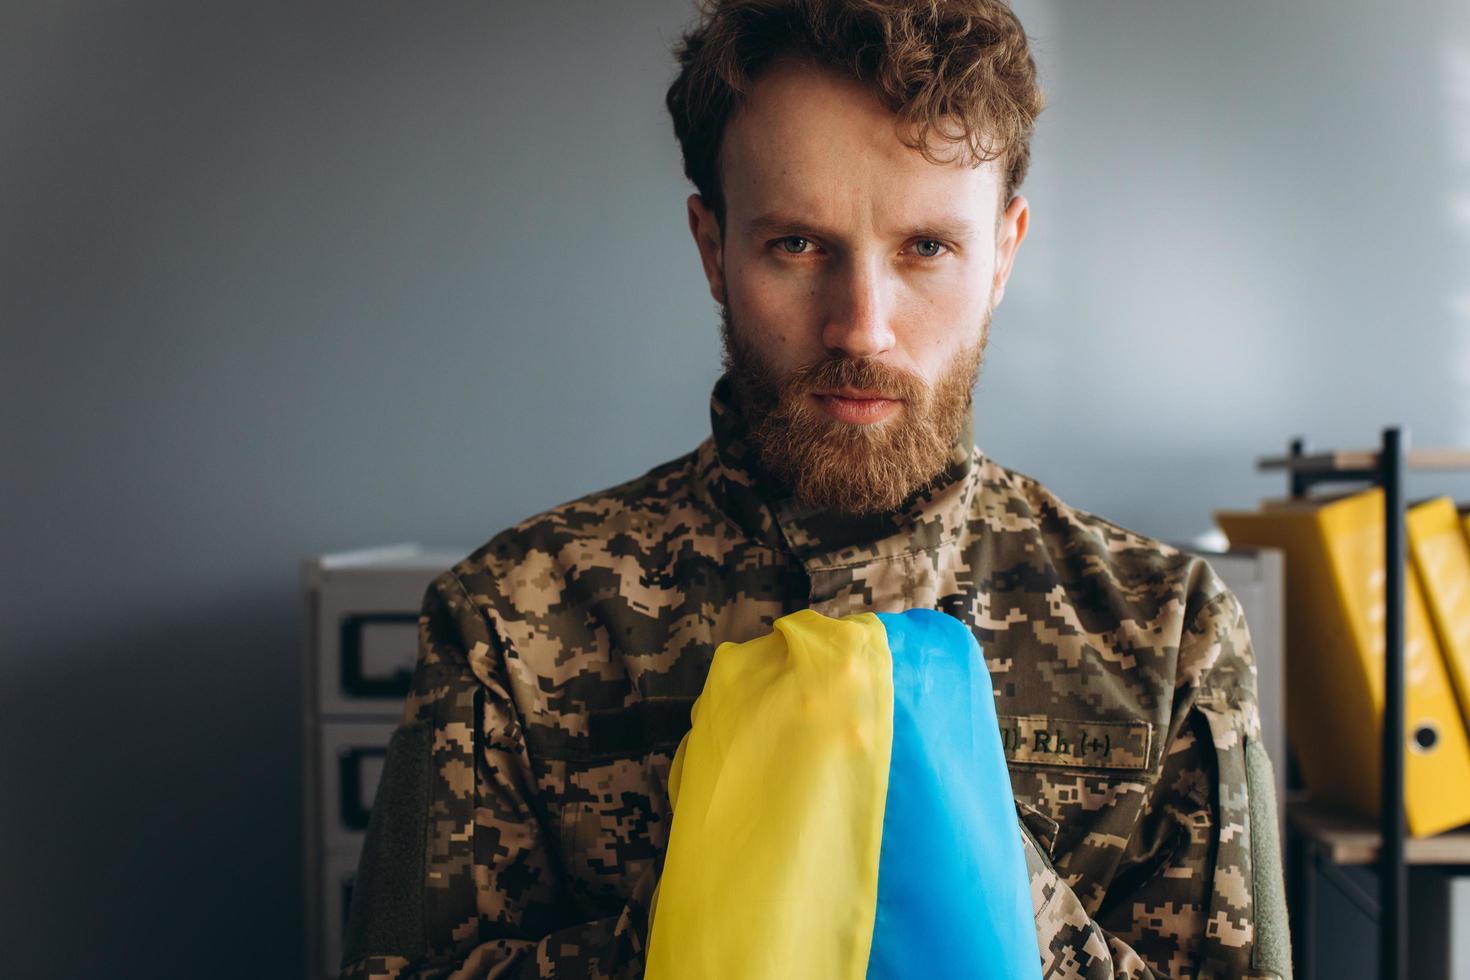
{"x": 842, "y": 811}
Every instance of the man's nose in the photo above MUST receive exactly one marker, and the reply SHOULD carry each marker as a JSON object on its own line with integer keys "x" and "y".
{"x": 859, "y": 310}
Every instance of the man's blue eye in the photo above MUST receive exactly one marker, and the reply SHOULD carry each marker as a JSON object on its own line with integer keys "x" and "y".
{"x": 794, "y": 244}
{"x": 928, "y": 247}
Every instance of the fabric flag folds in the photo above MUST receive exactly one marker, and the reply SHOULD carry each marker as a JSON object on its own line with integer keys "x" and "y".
{"x": 842, "y": 811}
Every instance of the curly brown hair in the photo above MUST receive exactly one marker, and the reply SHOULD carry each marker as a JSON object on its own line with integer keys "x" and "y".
{"x": 959, "y": 70}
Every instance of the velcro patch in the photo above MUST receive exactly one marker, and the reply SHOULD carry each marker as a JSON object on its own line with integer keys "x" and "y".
{"x": 1039, "y": 740}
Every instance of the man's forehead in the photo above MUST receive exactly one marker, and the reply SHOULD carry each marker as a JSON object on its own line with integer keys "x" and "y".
{"x": 807, "y": 140}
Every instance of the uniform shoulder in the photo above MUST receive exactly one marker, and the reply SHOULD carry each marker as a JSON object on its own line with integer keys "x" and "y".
{"x": 1127, "y": 589}
{"x": 588, "y": 525}
{"x": 1128, "y": 566}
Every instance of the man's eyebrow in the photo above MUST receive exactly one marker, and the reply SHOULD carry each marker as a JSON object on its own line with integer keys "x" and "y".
{"x": 774, "y": 221}
{"x": 950, "y": 227}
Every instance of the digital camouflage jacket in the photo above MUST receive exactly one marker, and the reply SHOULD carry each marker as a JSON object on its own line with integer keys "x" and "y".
{"x": 523, "y": 809}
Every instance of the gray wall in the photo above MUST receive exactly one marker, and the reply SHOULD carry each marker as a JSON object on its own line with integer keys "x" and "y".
{"x": 284, "y": 278}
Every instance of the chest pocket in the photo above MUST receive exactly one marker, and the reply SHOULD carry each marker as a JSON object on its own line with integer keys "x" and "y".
{"x": 615, "y": 822}
{"x": 1080, "y": 787}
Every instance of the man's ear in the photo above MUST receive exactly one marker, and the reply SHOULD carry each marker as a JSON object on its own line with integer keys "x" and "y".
{"x": 1012, "y": 231}
{"x": 705, "y": 228}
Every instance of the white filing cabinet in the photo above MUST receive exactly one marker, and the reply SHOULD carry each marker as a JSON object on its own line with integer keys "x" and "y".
{"x": 360, "y": 648}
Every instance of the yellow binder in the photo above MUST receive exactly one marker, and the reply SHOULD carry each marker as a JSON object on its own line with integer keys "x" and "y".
{"x": 1441, "y": 556}
{"x": 1334, "y": 665}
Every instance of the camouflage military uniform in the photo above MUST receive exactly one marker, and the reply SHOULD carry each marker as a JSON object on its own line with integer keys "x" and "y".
{"x": 523, "y": 808}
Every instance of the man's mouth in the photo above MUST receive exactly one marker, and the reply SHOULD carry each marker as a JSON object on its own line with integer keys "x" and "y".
{"x": 856, "y": 406}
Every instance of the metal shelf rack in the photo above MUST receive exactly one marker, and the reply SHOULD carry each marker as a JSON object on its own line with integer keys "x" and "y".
{"x": 1323, "y": 840}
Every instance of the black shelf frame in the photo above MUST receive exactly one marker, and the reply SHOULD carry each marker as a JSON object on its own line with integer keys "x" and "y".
{"x": 1386, "y": 470}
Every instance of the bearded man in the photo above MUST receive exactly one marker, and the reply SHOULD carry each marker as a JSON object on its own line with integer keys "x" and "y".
{"x": 856, "y": 165}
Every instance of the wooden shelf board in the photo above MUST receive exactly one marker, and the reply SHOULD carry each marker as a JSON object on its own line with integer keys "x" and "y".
{"x": 1367, "y": 459}
{"x": 1351, "y": 839}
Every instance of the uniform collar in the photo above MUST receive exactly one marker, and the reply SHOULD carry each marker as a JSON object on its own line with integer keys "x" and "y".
{"x": 732, "y": 477}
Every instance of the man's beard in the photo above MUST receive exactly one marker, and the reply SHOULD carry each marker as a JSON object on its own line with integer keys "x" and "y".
{"x": 850, "y": 468}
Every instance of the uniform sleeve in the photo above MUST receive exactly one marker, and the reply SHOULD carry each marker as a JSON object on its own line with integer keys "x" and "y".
{"x": 1198, "y": 892}
{"x": 458, "y": 877}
